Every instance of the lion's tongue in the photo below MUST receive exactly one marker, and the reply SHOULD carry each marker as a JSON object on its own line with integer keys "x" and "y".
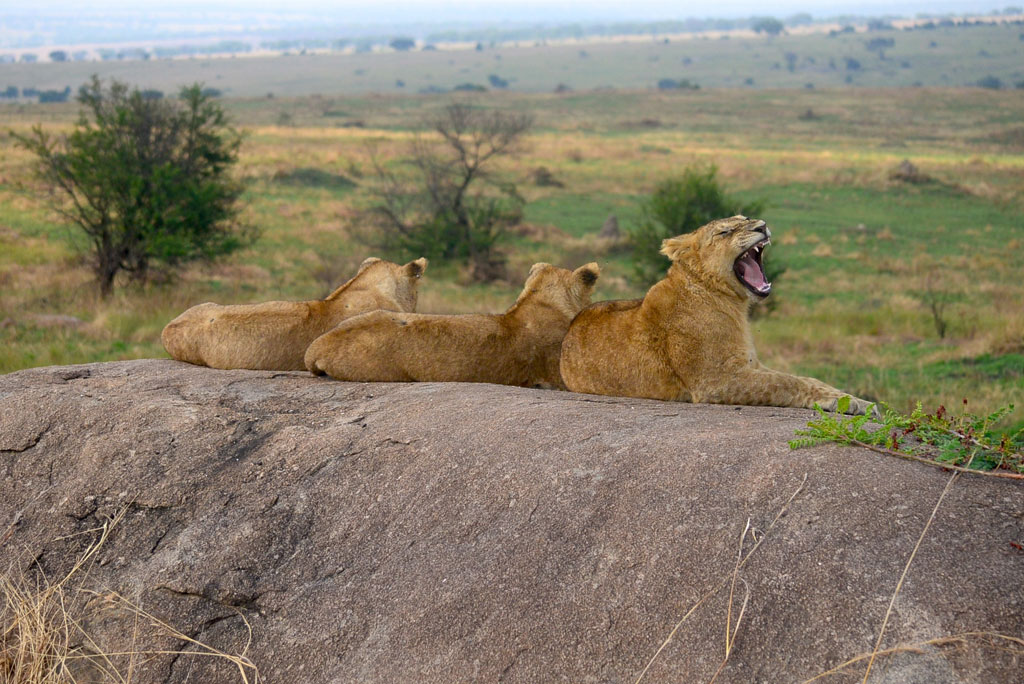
{"x": 751, "y": 272}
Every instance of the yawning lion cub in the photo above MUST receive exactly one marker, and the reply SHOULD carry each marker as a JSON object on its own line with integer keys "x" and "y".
{"x": 518, "y": 347}
{"x": 274, "y": 335}
{"x": 689, "y": 338}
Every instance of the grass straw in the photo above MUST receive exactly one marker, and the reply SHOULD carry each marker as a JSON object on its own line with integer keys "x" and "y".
{"x": 960, "y": 640}
{"x": 906, "y": 567}
{"x": 40, "y": 622}
{"x": 730, "y": 632}
{"x": 714, "y": 590}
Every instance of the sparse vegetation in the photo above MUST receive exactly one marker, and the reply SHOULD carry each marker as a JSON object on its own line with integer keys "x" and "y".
{"x": 955, "y": 442}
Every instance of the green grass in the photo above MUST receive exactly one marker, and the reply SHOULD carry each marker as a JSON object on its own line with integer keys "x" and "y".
{"x": 580, "y": 215}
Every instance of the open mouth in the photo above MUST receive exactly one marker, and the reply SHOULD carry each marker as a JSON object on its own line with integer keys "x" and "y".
{"x": 750, "y": 269}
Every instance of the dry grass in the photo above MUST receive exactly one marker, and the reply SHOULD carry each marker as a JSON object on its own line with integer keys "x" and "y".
{"x": 993, "y": 640}
{"x": 44, "y": 637}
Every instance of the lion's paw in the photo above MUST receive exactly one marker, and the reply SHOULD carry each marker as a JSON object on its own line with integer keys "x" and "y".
{"x": 853, "y": 406}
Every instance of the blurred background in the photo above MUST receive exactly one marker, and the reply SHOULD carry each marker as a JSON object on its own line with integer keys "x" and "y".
{"x": 883, "y": 143}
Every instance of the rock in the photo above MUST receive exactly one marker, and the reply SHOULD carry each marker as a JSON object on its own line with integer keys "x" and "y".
{"x": 610, "y": 228}
{"x": 907, "y": 172}
{"x": 56, "y": 321}
{"x": 542, "y": 177}
{"x": 452, "y": 532}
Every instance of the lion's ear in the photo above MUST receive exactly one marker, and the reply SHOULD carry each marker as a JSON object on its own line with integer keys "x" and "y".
{"x": 587, "y": 275}
{"x": 675, "y": 248}
{"x": 536, "y": 268}
{"x": 369, "y": 261}
{"x": 415, "y": 269}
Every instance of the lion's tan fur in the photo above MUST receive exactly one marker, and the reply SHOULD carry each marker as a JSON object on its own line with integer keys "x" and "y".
{"x": 274, "y": 335}
{"x": 518, "y": 347}
{"x": 689, "y": 338}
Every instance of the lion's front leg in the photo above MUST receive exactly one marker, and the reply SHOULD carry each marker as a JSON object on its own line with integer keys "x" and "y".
{"x": 761, "y": 386}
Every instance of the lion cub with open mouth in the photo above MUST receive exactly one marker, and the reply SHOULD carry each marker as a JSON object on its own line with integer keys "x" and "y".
{"x": 274, "y": 335}
{"x": 518, "y": 347}
{"x": 689, "y": 338}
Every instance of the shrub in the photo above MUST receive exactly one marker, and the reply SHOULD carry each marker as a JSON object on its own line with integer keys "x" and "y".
{"x": 991, "y": 82}
{"x": 879, "y": 44}
{"x": 769, "y": 25}
{"x": 682, "y": 84}
{"x": 679, "y": 205}
{"x": 55, "y": 95}
{"x": 402, "y": 44}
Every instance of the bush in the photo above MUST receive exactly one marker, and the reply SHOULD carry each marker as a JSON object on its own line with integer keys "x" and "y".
{"x": 55, "y": 95}
{"x": 879, "y": 44}
{"x": 991, "y": 82}
{"x": 682, "y": 84}
{"x": 769, "y": 25}
{"x": 402, "y": 44}
{"x": 679, "y": 205}
{"x": 146, "y": 180}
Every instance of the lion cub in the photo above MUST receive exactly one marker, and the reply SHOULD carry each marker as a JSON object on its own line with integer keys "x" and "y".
{"x": 689, "y": 338}
{"x": 518, "y": 347}
{"x": 274, "y": 335}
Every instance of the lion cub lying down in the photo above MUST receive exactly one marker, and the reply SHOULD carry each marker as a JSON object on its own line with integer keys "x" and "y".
{"x": 689, "y": 338}
{"x": 274, "y": 335}
{"x": 518, "y": 347}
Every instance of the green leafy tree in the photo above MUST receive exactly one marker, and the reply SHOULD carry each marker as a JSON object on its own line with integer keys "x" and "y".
{"x": 147, "y": 180}
{"x": 680, "y": 205}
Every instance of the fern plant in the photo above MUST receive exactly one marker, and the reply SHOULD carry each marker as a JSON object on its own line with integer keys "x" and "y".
{"x": 956, "y": 442}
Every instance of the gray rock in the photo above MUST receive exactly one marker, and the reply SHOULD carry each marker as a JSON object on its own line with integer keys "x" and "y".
{"x": 55, "y": 321}
{"x": 610, "y": 228}
{"x": 453, "y": 532}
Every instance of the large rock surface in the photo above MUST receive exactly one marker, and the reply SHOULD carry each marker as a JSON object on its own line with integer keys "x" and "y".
{"x": 453, "y": 532}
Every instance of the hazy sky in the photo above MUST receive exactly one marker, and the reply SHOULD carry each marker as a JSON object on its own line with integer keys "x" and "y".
{"x": 535, "y": 10}
{"x": 39, "y": 23}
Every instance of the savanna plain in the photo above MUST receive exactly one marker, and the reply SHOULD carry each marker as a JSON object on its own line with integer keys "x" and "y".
{"x": 895, "y": 288}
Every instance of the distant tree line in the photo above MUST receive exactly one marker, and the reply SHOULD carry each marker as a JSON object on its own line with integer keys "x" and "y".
{"x": 13, "y": 93}
{"x": 492, "y": 36}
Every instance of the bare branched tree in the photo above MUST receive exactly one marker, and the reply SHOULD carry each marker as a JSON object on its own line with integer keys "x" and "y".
{"x": 450, "y": 205}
